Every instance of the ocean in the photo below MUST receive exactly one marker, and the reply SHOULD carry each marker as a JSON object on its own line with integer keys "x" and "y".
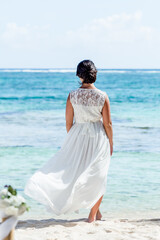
{"x": 32, "y": 129}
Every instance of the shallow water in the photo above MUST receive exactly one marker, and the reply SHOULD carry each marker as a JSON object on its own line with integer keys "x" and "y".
{"x": 32, "y": 127}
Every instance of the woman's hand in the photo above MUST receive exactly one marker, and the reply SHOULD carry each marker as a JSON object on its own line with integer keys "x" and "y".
{"x": 111, "y": 148}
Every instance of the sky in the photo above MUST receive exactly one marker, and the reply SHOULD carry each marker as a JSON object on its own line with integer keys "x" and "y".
{"x": 60, "y": 34}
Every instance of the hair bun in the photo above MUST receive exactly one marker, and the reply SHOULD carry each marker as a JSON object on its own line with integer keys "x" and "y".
{"x": 87, "y": 71}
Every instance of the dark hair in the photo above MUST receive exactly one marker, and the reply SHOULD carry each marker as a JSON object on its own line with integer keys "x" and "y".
{"x": 87, "y": 71}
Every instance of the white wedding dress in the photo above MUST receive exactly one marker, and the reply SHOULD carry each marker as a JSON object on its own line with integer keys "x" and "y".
{"x": 76, "y": 176}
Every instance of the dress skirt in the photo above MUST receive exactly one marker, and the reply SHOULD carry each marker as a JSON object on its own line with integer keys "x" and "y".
{"x": 76, "y": 176}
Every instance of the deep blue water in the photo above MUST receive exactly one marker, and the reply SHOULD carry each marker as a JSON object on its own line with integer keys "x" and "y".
{"x": 32, "y": 129}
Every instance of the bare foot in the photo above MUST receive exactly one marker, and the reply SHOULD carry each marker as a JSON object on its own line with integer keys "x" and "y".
{"x": 98, "y": 215}
{"x": 91, "y": 218}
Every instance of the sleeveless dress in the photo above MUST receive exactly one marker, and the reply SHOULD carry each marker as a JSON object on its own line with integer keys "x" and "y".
{"x": 76, "y": 176}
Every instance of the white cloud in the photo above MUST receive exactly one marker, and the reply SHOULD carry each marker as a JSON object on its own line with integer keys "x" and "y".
{"x": 121, "y": 40}
{"x": 118, "y": 28}
{"x": 12, "y": 31}
{"x": 115, "y": 29}
{"x": 24, "y": 36}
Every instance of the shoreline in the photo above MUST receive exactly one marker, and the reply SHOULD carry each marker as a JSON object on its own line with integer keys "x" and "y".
{"x": 83, "y": 213}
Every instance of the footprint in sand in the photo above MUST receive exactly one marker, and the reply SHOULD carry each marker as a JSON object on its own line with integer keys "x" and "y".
{"x": 107, "y": 231}
{"x": 91, "y": 233}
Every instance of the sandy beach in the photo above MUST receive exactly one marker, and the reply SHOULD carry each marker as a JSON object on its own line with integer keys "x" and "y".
{"x": 78, "y": 228}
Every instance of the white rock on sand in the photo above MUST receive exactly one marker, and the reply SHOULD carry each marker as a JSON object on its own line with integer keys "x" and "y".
{"x": 79, "y": 229}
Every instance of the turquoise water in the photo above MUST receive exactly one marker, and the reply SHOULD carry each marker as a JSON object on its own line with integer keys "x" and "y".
{"x": 32, "y": 127}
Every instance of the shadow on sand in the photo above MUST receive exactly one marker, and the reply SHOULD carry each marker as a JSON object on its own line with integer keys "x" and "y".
{"x": 30, "y": 223}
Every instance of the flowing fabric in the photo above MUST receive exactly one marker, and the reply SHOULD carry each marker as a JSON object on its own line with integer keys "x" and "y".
{"x": 76, "y": 176}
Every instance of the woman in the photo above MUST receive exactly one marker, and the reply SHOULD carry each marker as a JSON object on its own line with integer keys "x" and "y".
{"x": 76, "y": 176}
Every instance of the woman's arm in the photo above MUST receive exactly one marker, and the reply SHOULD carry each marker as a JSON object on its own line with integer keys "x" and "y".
{"x": 69, "y": 114}
{"x": 107, "y": 122}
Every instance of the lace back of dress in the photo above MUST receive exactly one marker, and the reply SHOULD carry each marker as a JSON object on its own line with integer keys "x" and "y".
{"x": 87, "y": 104}
{"x": 88, "y": 97}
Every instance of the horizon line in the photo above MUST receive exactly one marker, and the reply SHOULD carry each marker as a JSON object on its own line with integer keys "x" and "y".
{"x": 69, "y": 68}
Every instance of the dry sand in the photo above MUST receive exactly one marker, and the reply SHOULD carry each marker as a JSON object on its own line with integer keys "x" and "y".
{"x": 79, "y": 229}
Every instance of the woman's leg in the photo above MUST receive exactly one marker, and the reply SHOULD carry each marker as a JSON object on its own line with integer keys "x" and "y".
{"x": 94, "y": 210}
{"x": 98, "y": 215}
